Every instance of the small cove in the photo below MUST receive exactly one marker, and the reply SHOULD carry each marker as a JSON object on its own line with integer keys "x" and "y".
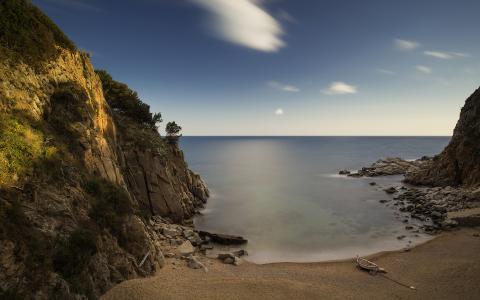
{"x": 283, "y": 194}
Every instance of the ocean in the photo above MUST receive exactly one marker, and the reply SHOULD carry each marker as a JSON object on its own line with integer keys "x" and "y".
{"x": 284, "y": 195}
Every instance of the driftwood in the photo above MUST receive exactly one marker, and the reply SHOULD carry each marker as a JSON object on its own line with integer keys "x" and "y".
{"x": 144, "y": 259}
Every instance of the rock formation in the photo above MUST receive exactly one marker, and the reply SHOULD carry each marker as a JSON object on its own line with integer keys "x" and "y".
{"x": 76, "y": 192}
{"x": 459, "y": 163}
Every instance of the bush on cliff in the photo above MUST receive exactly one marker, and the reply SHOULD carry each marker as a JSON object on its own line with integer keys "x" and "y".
{"x": 125, "y": 101}
{"x": 28, "y": 34}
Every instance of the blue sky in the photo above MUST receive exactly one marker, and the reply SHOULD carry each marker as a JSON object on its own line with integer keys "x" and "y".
{"x": 287, "y": 67}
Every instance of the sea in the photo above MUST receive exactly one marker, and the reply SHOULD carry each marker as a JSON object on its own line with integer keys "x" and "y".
{"x": 285, "y": 196}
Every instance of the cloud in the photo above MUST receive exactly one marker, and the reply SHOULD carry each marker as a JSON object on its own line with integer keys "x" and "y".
{"x": 340, "y": 88}
{"x": 387, "y": 72}
{"x": 446, "y": 55}
{"x": 283, "y": 87}
{"x": 438, "y": 54}
{"x": 406, "y": 45}
{"x": 279, "y": 111}
{"x": 245, "y": 23}
{"x": 461, "y": 54}
{"x": 423, "y": 69}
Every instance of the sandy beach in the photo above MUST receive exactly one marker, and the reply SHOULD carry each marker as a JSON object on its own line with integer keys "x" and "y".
{"x": 447, "y": 267}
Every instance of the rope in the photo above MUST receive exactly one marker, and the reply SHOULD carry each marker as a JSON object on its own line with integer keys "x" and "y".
{"x": 399, "y": 283}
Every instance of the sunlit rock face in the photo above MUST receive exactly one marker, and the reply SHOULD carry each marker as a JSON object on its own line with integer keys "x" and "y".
{"x": 459, "y": 163}
{"x": 62, "y": 156}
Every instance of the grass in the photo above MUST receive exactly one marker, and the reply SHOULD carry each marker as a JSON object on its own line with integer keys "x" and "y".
{"x": 20, "y": 146}
{"x": 28, "y": 35}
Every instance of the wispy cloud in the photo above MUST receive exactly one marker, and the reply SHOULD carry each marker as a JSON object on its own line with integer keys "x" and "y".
{"x": 461, "y": 54}
{"x": 405, "y": 44}
{"x": 386, "y": 72}
{"x": 279, "y": 111}
{"x": 438, "y": 54}
{"x": 340, "y": 88}
{"x": 446, "y": 55}
{"x": 283, "y": 87}
{"x": 75, "y": 4}
{"x": 423, "y": 69}
{"x": 244, "y": 22}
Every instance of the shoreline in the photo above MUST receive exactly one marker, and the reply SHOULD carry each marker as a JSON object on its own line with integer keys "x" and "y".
{"x": 430, "y": 267}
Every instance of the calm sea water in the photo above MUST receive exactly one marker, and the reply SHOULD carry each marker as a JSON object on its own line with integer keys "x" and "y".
{"x": 283, "y": 194}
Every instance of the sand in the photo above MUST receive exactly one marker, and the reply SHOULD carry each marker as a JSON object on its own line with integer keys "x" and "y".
{"x": 447, "y": 267}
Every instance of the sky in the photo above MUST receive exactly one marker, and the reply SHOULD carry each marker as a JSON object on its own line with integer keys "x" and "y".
{"x": 287, "y": 67}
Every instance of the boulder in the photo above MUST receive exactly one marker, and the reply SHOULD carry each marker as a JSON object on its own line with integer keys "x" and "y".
{"x": 223, "y": 239}
{"x": 185, "y": 249}
{"x": 194, "y": 263}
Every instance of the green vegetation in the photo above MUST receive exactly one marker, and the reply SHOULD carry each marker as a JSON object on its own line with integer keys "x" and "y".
{"x": 110, "y": 207}
{"x": 72, "y": 256}
{"x": 28, "y": 34}
{"x": 20, "y": 146}
{"x": 125, "y": 101}
{"x": 172, "y": 129}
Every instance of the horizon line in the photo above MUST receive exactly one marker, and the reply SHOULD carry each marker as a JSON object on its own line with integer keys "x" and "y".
{"x": 317, "y": 136}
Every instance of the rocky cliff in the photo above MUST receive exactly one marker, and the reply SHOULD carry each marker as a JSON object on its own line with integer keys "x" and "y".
{"x": 77, "y": 185}
{"x": 459, "y": 163}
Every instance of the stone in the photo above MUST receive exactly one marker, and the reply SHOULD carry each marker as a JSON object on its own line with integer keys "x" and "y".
{"x": 436, "y": 215}
{"x": 206, "y": 247}
{"x": 240, "y": 253}
{"x": 229, "y": 260}
{"x": 344, "y": 172}
{"x": 409, "y": 227}
{"x": 390, "y": 190}
{"x": 185, "y": 249}
{"x": 372, "y": 183}
{"x": 223, "y": 239}
{"x": 194, "y": 263}
{"x": 401, "y": 237}
{"x": 172, "y": 232}
{"x": 237, "y": 261}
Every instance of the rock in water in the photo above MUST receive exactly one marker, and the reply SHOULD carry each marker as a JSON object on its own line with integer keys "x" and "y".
{"x": 390, "y": 190}
{"x": 459, "y": 163}
{"x": 223, "y": 239}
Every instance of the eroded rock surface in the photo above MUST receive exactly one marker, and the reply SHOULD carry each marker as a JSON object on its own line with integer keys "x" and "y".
{"x": 459, "y": 163}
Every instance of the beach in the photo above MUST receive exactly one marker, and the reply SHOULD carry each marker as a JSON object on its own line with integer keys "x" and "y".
{"x": 447, "y": 267}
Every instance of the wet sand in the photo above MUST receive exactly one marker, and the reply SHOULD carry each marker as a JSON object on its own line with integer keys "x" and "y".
{"x": 447, "y": 267}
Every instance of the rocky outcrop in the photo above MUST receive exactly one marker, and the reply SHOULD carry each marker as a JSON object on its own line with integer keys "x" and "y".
{"x": 76, "y": 196}
{"x": 388, "y": 166}
{"x": 459, "y": 163}
{"x": 163, "y": 183}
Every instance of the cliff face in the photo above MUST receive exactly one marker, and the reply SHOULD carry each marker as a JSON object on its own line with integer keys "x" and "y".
{"x": 76, "y": 190}
{"x": 459, "y": 163}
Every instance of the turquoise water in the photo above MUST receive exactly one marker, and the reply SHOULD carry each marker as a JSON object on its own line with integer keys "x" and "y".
{"x": 283, "y": 194}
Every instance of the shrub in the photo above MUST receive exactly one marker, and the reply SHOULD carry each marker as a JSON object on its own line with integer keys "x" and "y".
{"x": 110, "y": 207}
{"x": 28, "y": 34}
{"x": 125, "y": 101}
{"x": 172, "y": 129}
{"x": 73, "y": 254}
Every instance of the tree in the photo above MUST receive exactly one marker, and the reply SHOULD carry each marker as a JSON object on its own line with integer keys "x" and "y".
{"x": 156, "y": 119}
{"x": 172, "y": 129}
{"x": 125, "y": 101}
